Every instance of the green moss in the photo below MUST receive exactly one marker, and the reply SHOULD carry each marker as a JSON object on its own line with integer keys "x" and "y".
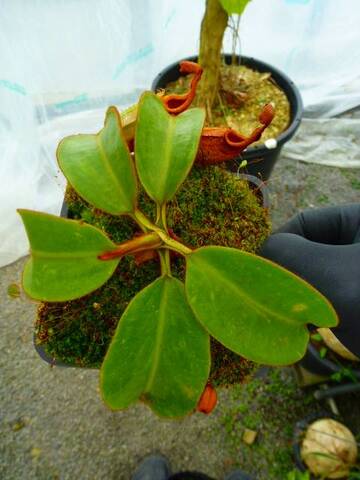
{"x": 322, "y": 199}
{"x": 212, "y": 207}
{"x": 271, "y": 406}
{"x": 352, "y": 177}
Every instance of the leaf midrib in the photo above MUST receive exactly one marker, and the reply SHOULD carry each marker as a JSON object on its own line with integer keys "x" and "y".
{"x": 262, "y": 310}
{"x": 158, "y": 339}
{"x": 167, "y": 156}
{"x": 64, "y": 255}
{"x": 110, "y": 170}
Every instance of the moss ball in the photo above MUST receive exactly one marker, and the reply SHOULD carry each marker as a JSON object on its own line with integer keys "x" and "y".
{"x": 213, "y": 207}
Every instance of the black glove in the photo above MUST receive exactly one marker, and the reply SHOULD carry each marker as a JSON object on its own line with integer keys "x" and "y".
{"x": 323, "y": 247}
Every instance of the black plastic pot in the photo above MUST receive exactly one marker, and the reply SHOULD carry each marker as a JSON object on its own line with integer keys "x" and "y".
{"x": 313, "y": 362}
{"x": 51, "y": 361}
{"x": 261, "y": 160}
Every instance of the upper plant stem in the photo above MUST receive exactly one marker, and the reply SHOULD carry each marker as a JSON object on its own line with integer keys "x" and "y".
{"x": 212, "y": 31}
{"x": 165, "y": 262}
{"x": 143, "y": 221}
{"x": 165, "y": 254}
{"x": 163, "y": 217}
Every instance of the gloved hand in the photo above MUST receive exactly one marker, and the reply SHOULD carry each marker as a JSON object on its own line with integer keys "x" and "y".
{"x": 323, "y": 247}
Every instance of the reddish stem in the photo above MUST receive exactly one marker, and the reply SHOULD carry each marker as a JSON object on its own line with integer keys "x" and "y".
{"x": 138, "y": 244}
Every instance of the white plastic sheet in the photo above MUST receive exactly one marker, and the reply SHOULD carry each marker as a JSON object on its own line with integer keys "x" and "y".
{"x": 333, "y": 142}
{"x": 64, "y": 61}
{"x": 316, "y": 42}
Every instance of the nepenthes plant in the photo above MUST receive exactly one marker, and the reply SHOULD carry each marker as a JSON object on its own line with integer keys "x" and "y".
{"x": 160, "y": 351}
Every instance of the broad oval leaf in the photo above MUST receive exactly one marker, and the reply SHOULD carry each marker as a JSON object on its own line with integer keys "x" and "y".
{"x": 165, "y": 146}
{"x": 252, "y": 306}
{"x": 234, "y": 6}
{"x": 64, "y": 263}
{"x": 159, "y": 353}
{"x": 100, "y": 168}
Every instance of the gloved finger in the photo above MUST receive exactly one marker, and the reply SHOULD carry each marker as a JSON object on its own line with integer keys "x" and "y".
{"x": 336, "y": 225}
{"x": 331, "y": 269}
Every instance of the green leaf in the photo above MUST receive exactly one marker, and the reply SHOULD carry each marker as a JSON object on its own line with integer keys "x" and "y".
{"x": 100, "y": 168}
{"x": 234, "y": 6}
{"x": 159, "y": 353}
{"x": 252, "y": 306}
{"x": 64, "y": 263}
{"x": 165, "y": 146}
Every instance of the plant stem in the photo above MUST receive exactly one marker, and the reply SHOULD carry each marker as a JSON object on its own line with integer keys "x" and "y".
{"x": 169, "y": 242}
{"x": 174, "y": 244}
{"x": 143, "y": 221}
{"x": 162, "y": 223}
{"x": 213, "y": 27}
{"x": 165, "y": 262}
{"x": 223, "y": 109}
{"x": 235, "y": 39}
{"x": 163, "y": 217}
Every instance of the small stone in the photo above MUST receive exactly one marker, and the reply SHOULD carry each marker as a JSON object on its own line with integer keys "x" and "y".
{"x": 14, "y": 290}
{"x": 35, "y": 452}
{"x": 249, "y": 436}
{"x": 271, "y": 143}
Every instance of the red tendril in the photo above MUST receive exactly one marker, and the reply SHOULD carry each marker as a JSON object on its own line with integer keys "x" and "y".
{"x": 175, "y": 103}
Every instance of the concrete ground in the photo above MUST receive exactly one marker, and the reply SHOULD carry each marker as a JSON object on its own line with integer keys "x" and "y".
{"x": 53, "y": 423}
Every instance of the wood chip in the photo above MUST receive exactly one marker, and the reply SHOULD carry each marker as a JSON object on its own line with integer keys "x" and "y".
{"x": 249, "y": 436}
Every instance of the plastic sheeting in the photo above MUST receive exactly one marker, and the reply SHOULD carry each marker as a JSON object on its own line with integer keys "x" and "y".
{"x": 333, "y": 142}
{"x": 64, "y": 61}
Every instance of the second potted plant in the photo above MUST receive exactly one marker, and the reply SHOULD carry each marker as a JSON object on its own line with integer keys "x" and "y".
{"x": 233, "y": 89}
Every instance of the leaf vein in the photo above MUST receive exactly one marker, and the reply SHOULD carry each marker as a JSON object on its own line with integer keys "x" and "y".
{"x": 261, "y": 309}
{"x": 110, "y": 170}
{"x": 158, "y": 339}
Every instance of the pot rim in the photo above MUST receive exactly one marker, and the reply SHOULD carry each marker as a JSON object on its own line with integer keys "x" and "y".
{"x": 260, "y": 185}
